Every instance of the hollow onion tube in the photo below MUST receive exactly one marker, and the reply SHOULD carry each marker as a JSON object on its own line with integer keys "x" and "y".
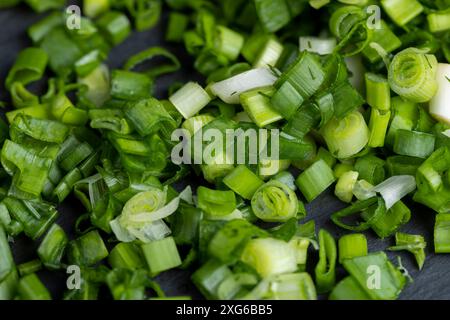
{"x": 275, "y": 201}
{"x": 325, "y": 270}
{"x": 29, "y": 66}
{"x": 412, "y": 75}
{"x": 346, "y": 137}
{"x": 269, "y": 256}
{"x": 439, "y": 107}
{"x": 270, "y": 54}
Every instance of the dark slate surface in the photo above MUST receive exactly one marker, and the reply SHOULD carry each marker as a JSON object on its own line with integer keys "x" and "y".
{"x": 432, "y": 282}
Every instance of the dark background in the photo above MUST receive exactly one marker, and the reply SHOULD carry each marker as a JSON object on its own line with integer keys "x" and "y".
{"x": 433, "y": 282}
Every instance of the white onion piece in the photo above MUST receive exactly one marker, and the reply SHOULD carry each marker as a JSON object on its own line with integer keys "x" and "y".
{"x": 230, "y": 89}
{"x": 395, "y": 188}
{"x": 318, "y": 45}
{"x": 440, "y": 104}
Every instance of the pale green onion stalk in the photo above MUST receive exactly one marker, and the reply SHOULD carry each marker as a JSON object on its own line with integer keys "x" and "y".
{"x": 317, "y": 45}
{"x": 346, "y": 137}
{"x": 229, "y": 90}
{"x": 196, "y": 123}
{"x": 440, "y": 104}
{"x": 275, "y": 202}
{"x": 270, "y": 54}
{"x": 363, "y": 190}
{"x": 412, "y": 75}
{"x": 98, "y": 85}
{"x": 345, "y": 185}
{"x": 190, "y": 99}
{"x": 269, "y": 256}
{"x": 142, "y": 215}
{"x": 395, "y": 188}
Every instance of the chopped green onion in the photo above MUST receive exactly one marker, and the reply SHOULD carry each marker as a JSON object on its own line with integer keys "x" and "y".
{"x": 325, "y": 270}
{"x": 87, "y": 249}
{"x": 303, "y": 78}
{"x": 378, "y": 91}
{"x": 317, "y": 45}
{"x": 190, "y": 99}
{"x": 341, "y": 168}
{"x": 383, "y": 38}
{"x": 348, "y": 289}
{"x": 402, "y": 165}
{"x": 44, "y": 5}
{"x": 216, "y": 203}
{"x": 315, "y": 180}
{"x": 395, "y": 188}
{"x": 275, "y": 201}
{"x": 227, "y": 244}
{"x": 413, "y": 243}
{"x": 439, "y": 21}
{"x": 438, "y": 105}
{"x": 442, "y": 233}
{"x": 352, "y": 245}
{"x": 115, "y": 26}
{"x": 6, "y": 261}
{"x": 345, "y": 185}
{"x": 229, "y": 90}
{"x": 31, "y": 288}
{"x": 29, "y": 267}
{"x": 127, "y": 85}
{"x": 376, "y": 275}
{"x": 412, "y": 75}
{"x": 257, "y": 105}
{"x": 177, "y": 25}
{"x": 93, "y": 8}
{"x": 371, "y": 169}
{"x": 269, "y": 256}
{"x": 378, "y": 126}
{"x": 346, "y": 137}
{"x": 161, "y": 68}
{"x": 269, "y": 54}
{"x": 402, "y": 11}
{"x": 386, "y": 222}
{"x": 363, "y": 190}
{"x": 149, "y": 116}
{"x": 243, "y": 181}
{"x": 414, "y": 143}
{"x": 273, "y": 14}
{"x": 404, "y": 116}
{"x": 52, "y": 248}
{"x": 161, "y": 255}
{"x": 228, "y": 42}
{"x": 29, "y": 66}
